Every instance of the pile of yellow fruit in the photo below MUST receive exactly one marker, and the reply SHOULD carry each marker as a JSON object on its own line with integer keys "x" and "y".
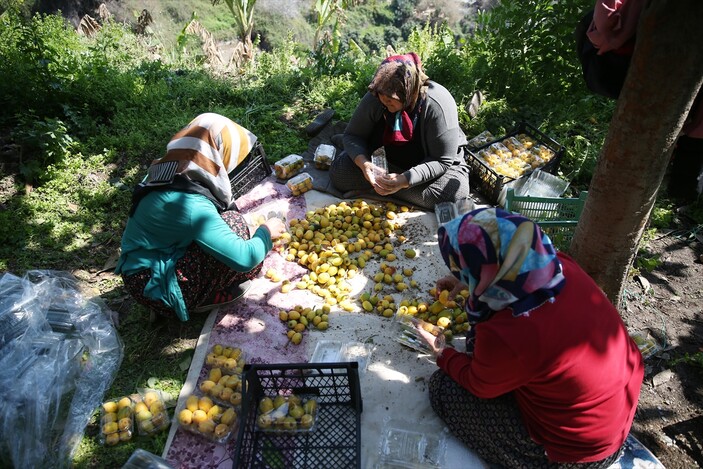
{"x": 441, "y": 310}
{"x": 301, "y": 318}
{"x": 203, "y": 417}
{"x": 514, "y": 156}
{"x": 335, "y": 241}
{"x": 286, "y": 413}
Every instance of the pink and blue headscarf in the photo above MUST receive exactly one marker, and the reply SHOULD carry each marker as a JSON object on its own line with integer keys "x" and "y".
{"x": 505, "y": 259}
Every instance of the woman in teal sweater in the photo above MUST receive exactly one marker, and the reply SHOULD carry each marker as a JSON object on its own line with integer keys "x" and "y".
{"x": 184, "y": 249}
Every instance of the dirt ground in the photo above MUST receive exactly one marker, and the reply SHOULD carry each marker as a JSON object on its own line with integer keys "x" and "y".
{"x": 667, "y": 304}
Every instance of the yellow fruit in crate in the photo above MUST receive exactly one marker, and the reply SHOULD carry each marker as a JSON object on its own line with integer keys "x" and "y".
{"x": 306, "y": 421}
{"x": 278, "y": 401}
{"x": 236, "y": 398}
{"x": 110, "y": 417}
{"x": 296, "y": 411}
{"x": 139, "y": 407}
{"x": 214, "y": 412}
{"x": 310, "y": 406}
{"x": 266, "y": 405}
{"x": 143, "y": 415}
{"x": 264, "y": 421}
{"x": 125, "y": 435}
{"x": 124, "y": 412}
{"x": 217, "y": 349}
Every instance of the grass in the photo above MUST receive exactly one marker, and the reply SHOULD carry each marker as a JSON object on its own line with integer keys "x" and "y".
{"x": 87, "y": 115}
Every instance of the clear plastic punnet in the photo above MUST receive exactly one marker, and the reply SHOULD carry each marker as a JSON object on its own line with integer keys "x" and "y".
{"x": 59, "y": 353}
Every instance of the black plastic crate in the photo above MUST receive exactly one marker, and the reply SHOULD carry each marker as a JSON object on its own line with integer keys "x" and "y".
{"x": 254, "y": 169}
{"x": 490, "y": 183}
{"x": 335, "y": 440}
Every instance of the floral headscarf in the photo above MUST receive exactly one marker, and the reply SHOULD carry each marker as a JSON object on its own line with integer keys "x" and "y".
{"x": 401, "y": 77}
{"x": 505, "y": 259}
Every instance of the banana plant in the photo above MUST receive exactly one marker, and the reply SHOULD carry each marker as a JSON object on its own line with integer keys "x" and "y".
{"x": 243, "y": 12}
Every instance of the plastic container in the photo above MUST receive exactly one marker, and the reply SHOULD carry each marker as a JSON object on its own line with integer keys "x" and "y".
{"x": 331, "y": 351}
{"x": 556, "y": 216}
{"x": 481, "y": 139}
{"x": 203, "y": 417}
{"x": 300, "y": 184}
{"x": 116, "y": 421}
{"x": 445, "y": 211}
{"x": 150, "y": 412}
{"x": 250, "y": 172}
{"x": 142, "y": 459}
{"x": 336, "y": 439}
{"x": 324, "y": 155}
{"x": 222, "y": 388}
{"x": 494, "y": 164}
{"x": 230, "y": 358}
{"x": 293, "y": 413}
{"x": 380, "y": 163}
{"x": 409, "y": 336}
{"x": 401, "y": 448}
{"x": 288, "y": 167}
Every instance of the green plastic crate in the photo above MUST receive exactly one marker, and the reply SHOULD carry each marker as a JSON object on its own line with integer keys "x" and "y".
{"x": 557, "y": 216}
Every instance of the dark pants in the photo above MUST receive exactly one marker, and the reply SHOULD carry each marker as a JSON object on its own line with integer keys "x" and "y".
{"x": 449, "y": 187}
{"x": 493, "y": 428}
{"x": 686, "y": 169}
{"x": 199, "y": 274}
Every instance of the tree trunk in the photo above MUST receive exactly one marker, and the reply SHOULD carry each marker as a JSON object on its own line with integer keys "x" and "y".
{"x": 664, "y": 78}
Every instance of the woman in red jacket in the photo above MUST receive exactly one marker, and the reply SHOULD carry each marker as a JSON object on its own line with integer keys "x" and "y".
{"x": 550, "y": 377}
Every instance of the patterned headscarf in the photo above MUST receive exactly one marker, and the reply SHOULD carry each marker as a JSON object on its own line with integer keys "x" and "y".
{"x": 401, "y": 77}
{"x": 505, "y": 259}
{"x": 204, "y": 152}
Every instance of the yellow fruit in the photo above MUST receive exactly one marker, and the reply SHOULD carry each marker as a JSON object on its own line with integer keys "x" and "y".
{"x": 306, "y": 421}
{"x": 206, "y": 427}
{"x": 221, "y": 430}
{"x": 139, "y": 407}
{"x": 192, "y": 403}
{"x": 125, "y": 435}
{"x": 410, "y": 253}
{"x": 205, "y": 403}
{"x": 112, "y": 439}
{"x": 236, "y": 398}
{"x": 297, "y": 338}
{"x": 124, "y": 424}
{"x": 185, "y": 417}
{"x": 143, "y": 415}
{"x": 217, "y": 349}
{"x": 150, "y": 397}
{"x": 266, "y": 405}
{"x": 110, "y": 407}
{"x": 110, "y": 427}
{"x": 124, "y": 402}
{"x": 199, "y": 416}
{"x": 214, "y": 412}
{"x": 264, "y": 421}
{"x": 283, "y": 316}
{"x": 228, "y": 416}
{"x": 215, "y": 374}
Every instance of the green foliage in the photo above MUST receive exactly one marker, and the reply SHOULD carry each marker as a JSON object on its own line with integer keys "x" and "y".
{"x": 44, "y": 142}
{"x": 694, "y": 359}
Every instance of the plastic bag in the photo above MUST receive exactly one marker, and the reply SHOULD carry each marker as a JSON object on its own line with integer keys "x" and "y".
{"x": 59, "y": 353}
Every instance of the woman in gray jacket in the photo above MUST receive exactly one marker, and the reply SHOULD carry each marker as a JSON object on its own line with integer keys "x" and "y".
{"x": 414, "y": 121}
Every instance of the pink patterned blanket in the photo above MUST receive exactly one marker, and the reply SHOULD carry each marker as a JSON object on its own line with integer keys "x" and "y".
{"x": 252, "y": 324}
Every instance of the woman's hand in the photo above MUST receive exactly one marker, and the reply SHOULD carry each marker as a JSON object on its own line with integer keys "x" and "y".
{"x": 390, "y": 183}
{"x": 430, "y": 340}
{"x": 452, "y": 284}
{"x": 276, "y": 227}
{"x": 366, "y": 168}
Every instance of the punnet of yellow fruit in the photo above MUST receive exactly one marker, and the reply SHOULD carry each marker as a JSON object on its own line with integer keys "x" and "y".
{"x": 116, "y": 421}
{"x": 202, "y": 417}
{"x": 286, "y": 414}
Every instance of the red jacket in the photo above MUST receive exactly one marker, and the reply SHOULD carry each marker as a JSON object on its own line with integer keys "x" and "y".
{"x": 573, "y": 369}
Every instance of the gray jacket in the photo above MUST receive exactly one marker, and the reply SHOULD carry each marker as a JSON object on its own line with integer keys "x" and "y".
{"x": 440, "y": 139}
